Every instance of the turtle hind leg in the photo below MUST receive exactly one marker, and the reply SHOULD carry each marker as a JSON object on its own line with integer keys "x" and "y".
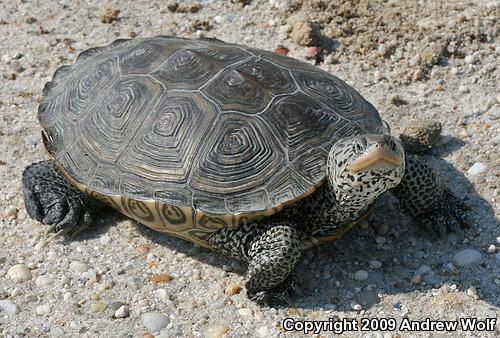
{"x": 271, "y": 252}
{"x": 49, "y": 198}
{"x": 429, "y": 202}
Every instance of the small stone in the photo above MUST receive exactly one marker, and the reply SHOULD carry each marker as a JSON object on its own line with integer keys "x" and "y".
{"x": 122, "y": 312}
{"x": 98, "y": 307}
{"x": 364, "y": 224}
{"x": 463, "y": 89}
{"x": 374, "y": 264}
{"x": 110, "y": 15}
{"x": 470, "y": 59}
{"x": 263, "y": 332}
{"x": 418, "y": 75}
{"x": 472, "y": 291}
{"x": 497, "y": 257}
{"x": 356, "y": 306}
{"x": 417, "y": 279}
{"x": 77, "y": 266}
{"x": 10, "y": 212}
{"x": 67, "y": 296}
{"x": 43, "y": 310}
{"x": 467, "y": 257}
{"x": 232, "y": 289}
{"x": 491, "y": 249}
{"x": 144, "y": 248}
{"x": 19, "y": 273}
{"x": 43, "y": 280}
{"x": 8, "y": 308}
{"x": 361, "y": 275}
{"x": 281, "y": 50}
{"x": 161, "y": 278}
{"x": 155, "y": 321}
{"x": 217, "y": 331}
{"x": 476, "y": 169}
{"x": 105, "y": 240}
{"x": 305, "y": 33}
{"x": 313, "y": 52}
{"x": 245, "y": 312}
{"x": 380, "y": 240}
{"x": 16, "y": 292}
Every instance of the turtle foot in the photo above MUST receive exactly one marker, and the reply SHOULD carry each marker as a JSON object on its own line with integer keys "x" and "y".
{"x": 451, "y": 215}
{"x": 280, "y": 295}
{"x": 52, "y": 200}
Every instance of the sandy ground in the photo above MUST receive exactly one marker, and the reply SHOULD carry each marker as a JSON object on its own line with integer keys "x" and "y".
{"x": 411, "y": 59}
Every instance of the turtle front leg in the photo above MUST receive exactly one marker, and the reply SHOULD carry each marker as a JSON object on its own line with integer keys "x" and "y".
{"x": 429, "y": 202}
{"x": 271, "y": 252}
{"x": 49, "y": 198}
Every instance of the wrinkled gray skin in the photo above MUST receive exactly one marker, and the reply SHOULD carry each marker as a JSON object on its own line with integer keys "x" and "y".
{"x": 272, "y": 246}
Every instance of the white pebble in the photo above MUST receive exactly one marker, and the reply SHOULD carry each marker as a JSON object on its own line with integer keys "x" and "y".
{"x": 218, "y": 19}
{"x": 245, "y": 312}
{"x": 216, "y": 331}
{"x": 8, "y": 308}
{"x": 496, "y": 139}
{"x": 155, "y": 321}
{"x": 467, "y": 257}
{"x": 491, "y": 249}
{"x": 476, "y": 169}
{"x": 19, "y": 273}
{"x": 356, "y": 306}
{"x": 16, "y": 292}
{"x": 470, "y": 59}
{"x": 43, "y": 310}
{"x": 43, "y": 280}
{"x": 263, "y": 331}
{"x": 122, "y": 312}
{"x": 67, "y": 296}
{"x": 361, "y": 275}
{"x": 78, "y": 266}
{"x": 105, "y": 240}
{"x": 375, "y": 264}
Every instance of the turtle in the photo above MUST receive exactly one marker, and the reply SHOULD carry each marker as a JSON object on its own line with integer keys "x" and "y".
{"x": 253, "y": 154}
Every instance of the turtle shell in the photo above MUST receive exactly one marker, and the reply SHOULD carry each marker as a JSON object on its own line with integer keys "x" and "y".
{"x": 191, "y": 136}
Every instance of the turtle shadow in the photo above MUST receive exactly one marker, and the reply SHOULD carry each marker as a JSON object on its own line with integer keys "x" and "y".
{"x": 412, "y": 260}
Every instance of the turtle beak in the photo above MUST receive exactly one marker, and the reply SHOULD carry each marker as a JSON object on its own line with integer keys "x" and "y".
{"x": 380, "y": 156}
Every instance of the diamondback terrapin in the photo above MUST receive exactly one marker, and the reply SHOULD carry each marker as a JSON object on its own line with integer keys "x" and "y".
{"x": 244, "y": 151}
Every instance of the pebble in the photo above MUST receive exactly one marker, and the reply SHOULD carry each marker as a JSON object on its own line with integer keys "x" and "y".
{"x": 491, "y": 249}
{"x": 496, "y": 139}
{"x": 357, "y": 307}
{"x": 105, "y": 240}
{"x": 361, "y": 275}
{"x": 43, "y": 310}
{"x": 476, "y": 169}
{"x": 380, "y": 240}
{"x": 78, "y": 266}
{"x": 19, "y": 273}
{"x": 98, "y": 307}
{"x": 264, "y": 332}
{"x": 10, "y": 212}
{"x": 470, "y": 59}
{"x": 122, "y": 312}
{"x": 245, "y": 312}
{"x": 8, "y": 308}
{"x": 155, "y": 321}
{"x": 497, "y": 257}
{"x": 43, "y": 280}
{"x": 232, "y": 289}
{"x": 375, "y": 264}
{"x": 217, "y": 331}
{"x": 467, "y": 257}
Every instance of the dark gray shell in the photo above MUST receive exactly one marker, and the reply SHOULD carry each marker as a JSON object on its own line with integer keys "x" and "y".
{"x": 201, "y": 126}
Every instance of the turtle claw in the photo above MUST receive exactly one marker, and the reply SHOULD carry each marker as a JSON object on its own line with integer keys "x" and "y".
{"x": 451, "y": 215}
{"x": 280, "y": 295}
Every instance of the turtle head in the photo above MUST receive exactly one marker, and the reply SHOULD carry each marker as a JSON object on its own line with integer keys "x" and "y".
{"x": 364, "y": 166}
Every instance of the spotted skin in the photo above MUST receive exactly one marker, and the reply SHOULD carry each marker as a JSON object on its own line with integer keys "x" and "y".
{"x": 428, "y": 202}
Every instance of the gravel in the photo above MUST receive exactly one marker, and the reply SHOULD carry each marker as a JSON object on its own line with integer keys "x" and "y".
{"x": 426, "y": 60}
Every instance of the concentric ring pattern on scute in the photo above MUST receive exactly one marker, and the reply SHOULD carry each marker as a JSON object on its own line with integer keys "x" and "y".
{"x": 197, "y": 131}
